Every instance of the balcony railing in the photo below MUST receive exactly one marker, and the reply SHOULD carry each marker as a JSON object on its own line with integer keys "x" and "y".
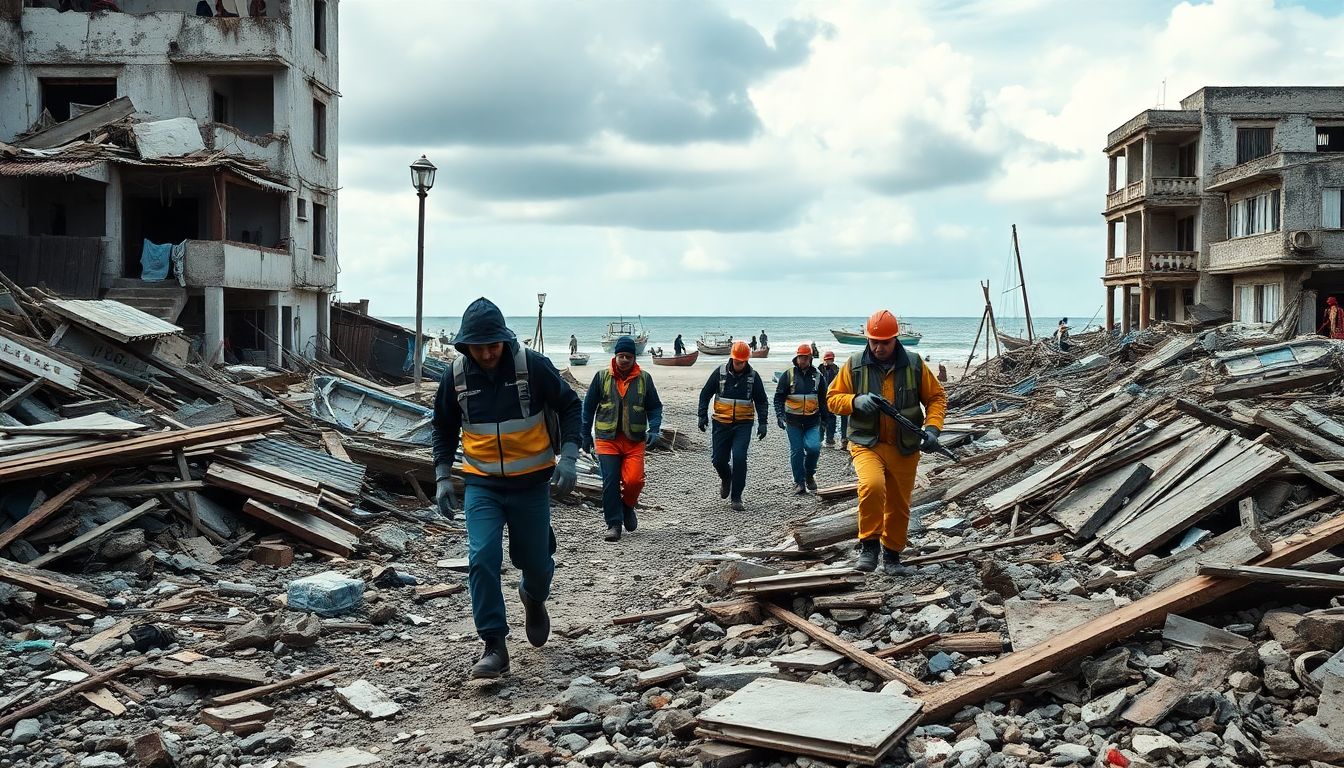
{"x": 1179, "y": 185}
{"x": 1125, "y": 195}
{"x": 69, "y": 38}
{"x": 237, "y": 265}
{"x": 1173, "y": 261}
{"x": 1162, "y": 186}
{"x": 1129, "y": 264}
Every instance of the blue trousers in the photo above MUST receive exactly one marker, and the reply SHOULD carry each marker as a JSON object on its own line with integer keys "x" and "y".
{"x": 828, "y": 426}
{"x": 804, "y": 450}
{"x": 730, "y": 442}
{"x": 527, "y": 514}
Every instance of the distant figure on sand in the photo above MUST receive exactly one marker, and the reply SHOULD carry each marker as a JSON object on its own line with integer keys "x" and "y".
{"x": 1062, "y": 334}
{"x": 942, "y": 373}
{"x": 573, "y": 345}
{"x": 1334, "y": 319}
{"x": 765, "y": 341}
{"x": 752, "y": 344}
{"x": 678, "y": 346}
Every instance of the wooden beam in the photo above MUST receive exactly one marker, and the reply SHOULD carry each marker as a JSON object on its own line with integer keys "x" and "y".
{"x": 864, "y": 659}
{"x": 331, "y": 441}
{"x": 909, "y": 646}
{"x": 21, "y": 395}
{"x": 1208, "y": 417}
{"x": 42, "y": 584}
{"x": 48, "y": 508}
{"x": 145, "y": 489}
{"x": 1322, "y": 423}
{"x": 1333, "y": 581}
{"x": 1014, "y": 669}
{"x": 1015, "y": 541}
{"x": 1250, "y": 388}
{"x": 76, "y": 544}
{"x": 266, "y": 690}
{"x": 1293, "y": 436}
{"x": 1314, "y": 473}
{"x": 88, "y": 683}
{"x": 184, "y": 472}
{"x": 88, "y": 669}
{"x": 1250, "y": 524}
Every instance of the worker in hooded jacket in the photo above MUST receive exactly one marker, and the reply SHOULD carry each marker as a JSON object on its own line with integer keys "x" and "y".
{"x": 800, "y": 408}
{"x": 738, "y": 395}
{"x": 885, "y": 454}
{"x": 623, "y": 408}
{"x": 502, "y": 401}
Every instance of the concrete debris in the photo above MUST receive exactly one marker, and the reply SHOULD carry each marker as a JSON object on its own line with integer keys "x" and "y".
{"x": 368, "y": 700}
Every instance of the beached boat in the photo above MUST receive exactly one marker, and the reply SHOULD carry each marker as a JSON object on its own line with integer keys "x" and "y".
{"x": 908, "y": 336}
{"x": 1013, "y": 342}
{"x": 578, "y": 359}
{"x": 714, "y": 343}
{"x": 1274, "y": 358}
{"x": 682, "y": 360}
{"x": 762, "y": 352}
{"x": 624, "y": 328}
{"x": 362, "y": 409}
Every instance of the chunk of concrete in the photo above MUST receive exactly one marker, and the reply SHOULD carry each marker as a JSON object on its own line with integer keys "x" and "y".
{"x": 327, "y": 594}
{"x": 345, "y": 757}
{"x": 368, "y": 700}
{"x": 734, "y": 676}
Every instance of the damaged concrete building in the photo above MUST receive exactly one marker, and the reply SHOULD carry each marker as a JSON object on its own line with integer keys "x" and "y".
{"x": 154, "y": 129}
{"x": 1230, "y": 205}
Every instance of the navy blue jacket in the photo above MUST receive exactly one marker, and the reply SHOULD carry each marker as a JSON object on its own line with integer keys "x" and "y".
{"x": 740, "y": 386}
{"x": 810, "y": 382}
{"x": 653, "y": 406}
{"x": 497, "y": 400}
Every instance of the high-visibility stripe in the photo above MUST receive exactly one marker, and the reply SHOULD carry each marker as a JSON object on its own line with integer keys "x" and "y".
{"x": 802, "y": 405}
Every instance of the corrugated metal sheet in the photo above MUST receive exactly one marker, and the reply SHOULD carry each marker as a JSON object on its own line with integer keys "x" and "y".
{"x": 263, "y": 183}
{"x": 340, "y": 476}
{"x": 113, "y": 318}
{"x": 44, "y": 167}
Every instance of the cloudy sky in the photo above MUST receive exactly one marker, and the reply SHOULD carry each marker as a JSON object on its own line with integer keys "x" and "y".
{"x": 764, "y": 156}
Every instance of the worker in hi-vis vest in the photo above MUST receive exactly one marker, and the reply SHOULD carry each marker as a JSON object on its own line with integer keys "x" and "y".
{"x": 739, "y": 396}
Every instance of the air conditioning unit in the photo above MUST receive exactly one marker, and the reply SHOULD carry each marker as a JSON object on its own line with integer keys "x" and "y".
{"x": 1305, "y": 240}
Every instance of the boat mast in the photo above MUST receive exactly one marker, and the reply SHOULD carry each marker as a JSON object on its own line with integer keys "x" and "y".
{"x": 538, "y": 341}
{"x": 1022, "y": 280}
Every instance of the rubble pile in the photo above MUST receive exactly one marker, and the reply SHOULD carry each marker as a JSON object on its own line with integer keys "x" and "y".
{"x": 1129, "y": 565}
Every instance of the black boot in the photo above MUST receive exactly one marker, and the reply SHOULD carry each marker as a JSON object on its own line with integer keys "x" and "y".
{"x": 811, "y": 482}
{"x": 799, "y": 489}
{"x": 738, "y": 506}
{"x": 868, "y": 551}
{"x": 631, "y": 522}
{"x": 494, "y": 662}
{"x": 891, "y": 561}
{"x": 536, "y": 619}
{"x": 613, "y": 533}
{"x": 724, "y": 487}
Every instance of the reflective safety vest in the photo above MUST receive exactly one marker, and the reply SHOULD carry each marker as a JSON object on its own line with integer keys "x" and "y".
{"x": 625, "y": 412}
{"x": 863, "y": 428}
{"x": 801, "y": 404}
{"x": 728, "y": 410}
{"x": 504, "y": 448}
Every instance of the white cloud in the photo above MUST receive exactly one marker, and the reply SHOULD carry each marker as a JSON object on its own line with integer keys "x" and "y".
{"x": 696, "y": 259}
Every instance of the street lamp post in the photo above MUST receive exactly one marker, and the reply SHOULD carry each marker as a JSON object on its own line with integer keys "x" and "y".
{"x": 422, "y": 178}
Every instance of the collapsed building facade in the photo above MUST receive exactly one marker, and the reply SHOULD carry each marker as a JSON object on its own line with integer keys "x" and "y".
{"x": 1232, "y": 204}
{"x": 102, "y": 168}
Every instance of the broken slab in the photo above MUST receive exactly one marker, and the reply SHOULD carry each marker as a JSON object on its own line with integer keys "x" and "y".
{"x": 734, "y": 676}
{"x": 1032, "y": 622}
{"x": 369, "y": 700}
{"x": 809, "y": 660}
{"x": 237, "y": 717}
{"x": 661, "y": 675}
{"x": 345, "y": 757}
{"x": 514, "y": 720}
{"x": 1198, "y": 636}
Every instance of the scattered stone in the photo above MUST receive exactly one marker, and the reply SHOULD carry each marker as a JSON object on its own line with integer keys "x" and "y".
{"x": 1280, "y": 683}
{"x": 939, "y": 663}
{"x": 1243, "y": 682}
{"x": 734, "y": 676}
{"x": 326, "y": 594}
{"x": 584, "y": 695}
{"x": 572, "y": 743}
{"x": 345, "y": 757}
{"x": 1154, "y": 745}
{"x": 25, "y": 731}
{"x": 597, "y": 751}
{"x": 1072, "y": 753}
{"x": 389, "y": 538}
{"x": 123, "y": 544}
{"x": 1103, "y": 711}
{"x": 300, "y": 630}
{"x": 671, "y": 722}
{"x": 152, "y": 752}
{"x": 368, "y": 700}
{"x": 103, "y": 760}
{"x": 1273, "y": 656}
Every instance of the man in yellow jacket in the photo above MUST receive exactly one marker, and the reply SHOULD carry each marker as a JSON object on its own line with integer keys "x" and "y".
{"x": 885, "y": 455}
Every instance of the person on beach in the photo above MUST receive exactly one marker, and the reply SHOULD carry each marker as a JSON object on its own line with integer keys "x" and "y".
{"x": 497, "y": 398}
{"x": 828, "y": 370}
{"x": 885, "y": 454}
{"x": 623, "y": 409}
{"x": 765, "y": 340}
{"x": 1062, "y": 335}
{"x": 678, "y": 346}
{"x": 738, "y": 394}
{"x": 800, "y": 407}
{"x": 573, "y": 345}
{"x": 752, "y": 344}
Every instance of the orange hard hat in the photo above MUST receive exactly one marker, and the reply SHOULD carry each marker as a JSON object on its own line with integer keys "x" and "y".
{"x": 804, "y": 349}
{"x": 882, "y": 325}
{"x": 741, "y": 351}
{"x": 828, "y": 356}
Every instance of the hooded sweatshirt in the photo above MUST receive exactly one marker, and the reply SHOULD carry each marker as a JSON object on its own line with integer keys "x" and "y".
{"x": 494, "y": 395}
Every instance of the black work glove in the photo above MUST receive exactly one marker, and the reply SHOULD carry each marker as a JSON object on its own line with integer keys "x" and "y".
{"x": 566, "y": 470}
{"x": 704, "y": 422}
{"x": 760, "y": 431}
{"x": 588, "y": 444}
{"x": 866, "y": 403}
{"x": 445, "y": 496}
{"x": 930, "y": 442}
{"x": 780, "y": 421}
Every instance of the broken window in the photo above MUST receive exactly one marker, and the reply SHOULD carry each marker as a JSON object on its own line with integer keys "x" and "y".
{"x": 1254, "y": 215}
{"x": 219, "y": 108}
{"x": 255, "y": 217}
{"x": 66, "y": 97}
{"x": 1332, "y": 208}
{"x": 245, "y": 102}
{"x": 319, "y": 128}
{"x": 319, "y": 231}
{"x": 1185, "y": 233}
{"x": 1330, "y": 138}
{"x": 1185, "y": 159}
{"x": 1253, "y": 143}
{"x": 320, "y": 25}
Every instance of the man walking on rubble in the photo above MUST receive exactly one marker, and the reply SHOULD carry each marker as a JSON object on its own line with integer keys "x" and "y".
{"x": 622, "y": 405}
{"x": 828, "y": 370}
{"x": 738, "y": 394}
{"x": 800, "y": 407}
{"x": 498, "y": 396}
{"x": 885, "y": 455}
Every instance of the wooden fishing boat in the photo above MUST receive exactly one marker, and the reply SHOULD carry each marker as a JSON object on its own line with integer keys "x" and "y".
{"x": 578, "y": 359}
{"x": 908, "y": 336}
{"x": 363, "y": 409}
{"x": 1013, "y": 342}
{"x": 681, "y": 360}
{"x": 621, "y": 328}
{"x": 714, "y": 343}
{"x": 762, "y": 352}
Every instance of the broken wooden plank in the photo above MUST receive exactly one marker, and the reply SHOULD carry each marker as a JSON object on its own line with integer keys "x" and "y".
{"x": 305, "y": 527}
{"x": 1319, "y": 421}
{"x": 262, "y": 488}
{"x": 79, "y": 126}
{"x": 909, "y": 646}
{"x": 217, "y": 670}
{"x": 145, "y": 489}
{"x": 87, "y": 684}
{"x": 21, "y": 394}
{"x": 864, "y": 600}
{"x": 1283, "y": 382}
{"x": 46, "y": 586}
{"x": 1091, "y": 505}
{"x": 106, "y": 640}
{"x": 1250, "y": 525}
{"x": 94, "y": 535}
{"x": 83, "y": 666}
{"x": 1333, "y": 581}
{"x": 1297, "y": 438}
{"x": 660, "y": 675}
{"x": 821, "y": 580}
{"x": 266, "y": 690}
{"x": 1046, "y": 533}
{"x": 26, "y": 358}
{"x": 236, "y": 717}
{"x": 1208, "y": 417}
{"x": 864, "y": 659}
{"x": 103, "y": 699}
{"x": 1012, "y": 670}
{"x": 48, "y": 508}
{"x": 1198, "y": 636}
{"x": 1314, "y": 473}
{"x": 970, "y": 643}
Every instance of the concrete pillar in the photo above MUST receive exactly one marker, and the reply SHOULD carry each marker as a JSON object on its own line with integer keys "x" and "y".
{"x": 214, "y": 325}
{"x": 114, "y": 257}
{"x": 1110, "y": 308}
{"x": 1110, "y": 240}
{"x": 273, "y": 330}
{"x": 323, "y": 324}
{"x": 1145, "y": 302}
{"x": 1145, "y": 230}
{"x": 1111, "y": 162}
{"x": 1147, "y": 163}
{"x": 1124, "y": 308}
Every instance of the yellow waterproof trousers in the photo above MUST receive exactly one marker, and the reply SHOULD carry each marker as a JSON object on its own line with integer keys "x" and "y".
{"x": 886, "y": 482}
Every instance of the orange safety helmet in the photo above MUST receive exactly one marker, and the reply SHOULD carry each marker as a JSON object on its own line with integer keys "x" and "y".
{"x": 741, "y": 351}
{"x": 828, "y": 356}
{"x": 804, "y": 349}
{"x": 882, "y": 325}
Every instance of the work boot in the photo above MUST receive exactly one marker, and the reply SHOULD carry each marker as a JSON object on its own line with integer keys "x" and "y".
{"x": 844, "y": 444}
{"x": 868, "y": 550}
{"x": 494, "y": 662}
{"x": 799, "y": 490}
{"x": 613, "y": 533}
{"x": 631, "y": 522}
{"x": 830, "y": 442}
{"x": 723, "y": 488}
{"x": 891, "y": 561}
{"x": 535, "y": 619}
{"x": 811, "y": 482}
{"x": 738, "y": 506}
